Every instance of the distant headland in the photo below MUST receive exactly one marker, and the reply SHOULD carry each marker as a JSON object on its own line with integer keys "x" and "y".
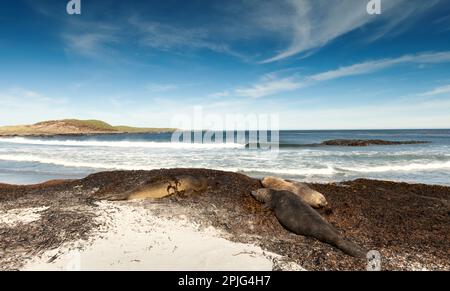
{"x": 74, "y": 127}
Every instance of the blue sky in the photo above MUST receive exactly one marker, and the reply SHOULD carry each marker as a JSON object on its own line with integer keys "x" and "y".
{"x": 317, "y": 65}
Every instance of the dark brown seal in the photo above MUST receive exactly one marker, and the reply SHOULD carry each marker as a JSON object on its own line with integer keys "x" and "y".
{"x": 300, "y": 218}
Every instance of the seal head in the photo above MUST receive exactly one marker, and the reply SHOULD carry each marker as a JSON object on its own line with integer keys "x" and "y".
{"x": 263, "y": 195}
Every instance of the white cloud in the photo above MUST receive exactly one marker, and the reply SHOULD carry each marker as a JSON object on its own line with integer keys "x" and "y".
{"x": 154, "y": 87}
{"x": 373, "y": 66}
{"x": 391, "y": 115}
{"x": 437, "y": 91}
{"x": 102, "y": 40}
{"x": 89, "y": 44}
{"x": 90, "y": 39}
{"x": 269, "y": 87}
{"x": 220, "y": 94}
{"x": 271, "y": 84}
{"x": 22, "y": 105}
{"x": 299, "y": 26}
{"x": 169, "y": 37}
{"x": 316, "y": 23}
{"x": 18, "y": 96}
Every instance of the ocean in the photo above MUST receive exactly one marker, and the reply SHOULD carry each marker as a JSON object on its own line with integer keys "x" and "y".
{"x": 35, "y": 160}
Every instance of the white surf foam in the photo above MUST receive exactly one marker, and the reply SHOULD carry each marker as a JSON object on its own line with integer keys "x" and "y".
{"x": 291, "y": 172}
{"x": 142, "y": 165}
{"x": 402, "y": 168}
{"x": 120, "y": 144}
{"x": 135, "y": 166}
{"x": 67, "y": 163}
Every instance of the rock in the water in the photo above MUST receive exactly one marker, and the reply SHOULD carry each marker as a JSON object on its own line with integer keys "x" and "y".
{"x": 365, "y": 143}
{"x": 311, "y": 197}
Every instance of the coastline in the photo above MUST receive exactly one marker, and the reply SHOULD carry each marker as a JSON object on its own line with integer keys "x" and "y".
{"x": 74, "y": 127}
{"x": 407, "y": 223}
{"x": 43, "y": 135}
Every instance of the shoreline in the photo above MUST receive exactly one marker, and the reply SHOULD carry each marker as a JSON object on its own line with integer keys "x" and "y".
{"x": 81, "y": 134}
{"x": 73, "y": 127}
{"x": 407, "y": 223}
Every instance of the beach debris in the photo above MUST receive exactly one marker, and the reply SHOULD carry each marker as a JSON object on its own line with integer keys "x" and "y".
{"x": 407, "y": 223}
{"x": 21, "y": 216}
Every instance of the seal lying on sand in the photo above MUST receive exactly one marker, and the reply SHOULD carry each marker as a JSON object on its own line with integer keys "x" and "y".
{"x": 312, "y": 197}
{"x": 183, "y": 184}
{"x": 297, "y": 216}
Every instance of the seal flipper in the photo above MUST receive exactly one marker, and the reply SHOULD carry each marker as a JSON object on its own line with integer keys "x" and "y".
{"x": 350, "y": 248}
{"x": 331, "y": 236}
{"x": 268, "y": 205}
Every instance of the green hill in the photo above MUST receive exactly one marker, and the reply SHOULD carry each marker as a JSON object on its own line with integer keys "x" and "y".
{"x": 74, "y": 127}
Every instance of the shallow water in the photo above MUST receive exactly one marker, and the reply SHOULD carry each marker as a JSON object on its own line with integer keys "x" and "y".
{"x": 33, "y": 160}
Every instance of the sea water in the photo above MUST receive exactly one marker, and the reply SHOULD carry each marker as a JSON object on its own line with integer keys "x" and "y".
{"x": 34, "y": 160}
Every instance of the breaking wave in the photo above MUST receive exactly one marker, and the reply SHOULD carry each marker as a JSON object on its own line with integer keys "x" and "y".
{"x": 413, "y": 167}
{"x": 120, "y": 144}
{"x": 328, "y": 170}
{"x": 134, "y": 166}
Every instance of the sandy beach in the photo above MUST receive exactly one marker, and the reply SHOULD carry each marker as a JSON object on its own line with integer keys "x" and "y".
{"x": 140, "y": 236}
{"x": 290, "y": 135}
{"x": 80, "y": 225}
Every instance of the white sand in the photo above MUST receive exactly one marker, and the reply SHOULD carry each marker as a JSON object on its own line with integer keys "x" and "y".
{"x": 20, "y": 216}
{"x": 147, "y": 236}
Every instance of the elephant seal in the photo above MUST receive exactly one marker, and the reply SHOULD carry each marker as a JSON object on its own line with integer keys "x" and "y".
{"x": 312, "y": 197}
{"x": 298, "y": 217}
{"x": 182, "y": 184}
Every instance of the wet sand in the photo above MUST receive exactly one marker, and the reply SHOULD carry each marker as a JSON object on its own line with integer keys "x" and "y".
{"x": 408, "y": 224}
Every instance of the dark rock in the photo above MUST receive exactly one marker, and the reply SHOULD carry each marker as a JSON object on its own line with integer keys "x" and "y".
{"x": 370, "y": 142}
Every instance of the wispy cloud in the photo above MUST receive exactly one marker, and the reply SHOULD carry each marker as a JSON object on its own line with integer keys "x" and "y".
{"x": 91, "y": 39}
{"x": 155, "y": 87}
{"x": 398, "y": 17}
{"x": 373, "y": 66}
{"x": 437, "y": 91}
{"x": 22, "y": 105}
{"x": 100, "y": 40}
{"x": 295, "y": 26}
{"x": 89, "y": 44}
{"x": 443, "y": 23}
{"x": 17, "y": 96}
{"x": 170, "y": 37}
{"x": 271, "y": 84}
{"x": 220, "y": 94}
{"x": 316, "y": 23}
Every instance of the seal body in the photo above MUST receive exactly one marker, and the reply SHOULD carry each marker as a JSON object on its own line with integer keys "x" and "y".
{"x": 298, "y": 217}
{"x": 183, "y": 184}
{"x": 310, "y": 196}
